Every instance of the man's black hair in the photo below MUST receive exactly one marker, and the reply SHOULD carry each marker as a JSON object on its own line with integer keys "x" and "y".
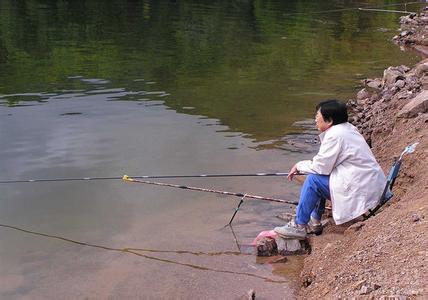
{"x": 333, "y": 110}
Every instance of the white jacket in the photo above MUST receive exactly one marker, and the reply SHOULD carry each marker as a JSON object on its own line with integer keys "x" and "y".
{"x": 356, "y": 179}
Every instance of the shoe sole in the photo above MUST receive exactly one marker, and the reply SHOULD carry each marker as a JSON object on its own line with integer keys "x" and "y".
{"x": 315, "y": 230}
{"x": 291, "y": 236}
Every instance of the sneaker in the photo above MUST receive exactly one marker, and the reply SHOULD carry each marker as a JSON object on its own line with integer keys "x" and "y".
{"x": 292, "y": 230}
{"x": 314, "y": 226}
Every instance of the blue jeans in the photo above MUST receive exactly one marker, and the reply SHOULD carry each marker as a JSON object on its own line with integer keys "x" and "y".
{"x": 314, "y": 192}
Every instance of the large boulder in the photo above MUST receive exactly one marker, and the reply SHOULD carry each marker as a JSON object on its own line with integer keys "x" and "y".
{"x": 417, "y": 105}
{"x": 422, "y": 69}
{"x": 391, "y": 75}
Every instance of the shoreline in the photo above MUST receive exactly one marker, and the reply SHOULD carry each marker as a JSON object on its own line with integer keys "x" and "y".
{"x": 386, "y": 254}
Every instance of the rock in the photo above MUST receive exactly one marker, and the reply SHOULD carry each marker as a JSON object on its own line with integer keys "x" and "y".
{"x": 276, "y": 259}
{"x": 421, "y": 69}
{"x": 415, "y": 218}
{"x": 374, "y": 98}
{"x": 417, "y": 105}
{"x": 364, "y": 290}
{"x": 363, "y": 94}
{"x": 368, "y": 288}
{"x": 307, "y": 280}
{"x": 404, "y": 33}
{"x": 403, "y": 68}
{"x": 423, "y": 20}
{"x": 413, "y": 82}
{"x": 251, "y": 294}
{"x": 354, "y": 227}
{"x": 391, "y": 75}
{"x": 292, "y": 246}
{"x": 400, "y": 84}
{"x": 374, "y": 84}
{"x": 359, "y": 284}
{"x": 266, "y": 247}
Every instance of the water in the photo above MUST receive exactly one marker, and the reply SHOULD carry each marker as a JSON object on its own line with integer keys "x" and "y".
{"x": 89, "y": 88}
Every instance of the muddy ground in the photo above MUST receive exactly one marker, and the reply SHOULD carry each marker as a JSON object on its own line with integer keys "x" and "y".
{"x": 385, "y": 255}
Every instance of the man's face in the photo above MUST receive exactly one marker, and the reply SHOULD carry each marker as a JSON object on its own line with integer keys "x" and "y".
{"x": 322, "y": 125}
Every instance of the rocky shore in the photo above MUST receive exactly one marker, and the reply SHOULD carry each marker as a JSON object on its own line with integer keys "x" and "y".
{"x": 385, "y": 255}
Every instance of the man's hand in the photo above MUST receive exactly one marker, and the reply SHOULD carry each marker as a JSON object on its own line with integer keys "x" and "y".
{"x": 292, "y": 172}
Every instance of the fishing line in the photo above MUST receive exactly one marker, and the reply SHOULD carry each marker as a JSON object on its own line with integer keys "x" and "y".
{"x": 138, "y": 179}
{"x": 373, "y": 8}
{"x": 141, "y": 177}
{"x": 134, "y": 251}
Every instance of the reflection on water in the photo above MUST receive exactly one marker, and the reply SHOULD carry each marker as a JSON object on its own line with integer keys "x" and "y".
{"x": 140, "y": 251}
{"x": 257, "y": 66}
{"x": 95, "y": 88}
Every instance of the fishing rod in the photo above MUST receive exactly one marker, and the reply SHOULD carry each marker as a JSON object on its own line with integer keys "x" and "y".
{"x": 142, "y": 177}
{"x": 374, "y": 8}
{"x": 193, "y": 188}
{"x": 386, "y": 10}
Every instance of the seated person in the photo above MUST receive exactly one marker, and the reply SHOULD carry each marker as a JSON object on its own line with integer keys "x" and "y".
{"x": 344, "y": 171}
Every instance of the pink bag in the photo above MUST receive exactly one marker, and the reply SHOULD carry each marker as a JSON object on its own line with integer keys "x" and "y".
{"x": 267, "y": 233}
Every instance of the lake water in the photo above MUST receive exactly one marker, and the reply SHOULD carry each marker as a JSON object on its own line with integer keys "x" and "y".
{"x": 96, "y": 88}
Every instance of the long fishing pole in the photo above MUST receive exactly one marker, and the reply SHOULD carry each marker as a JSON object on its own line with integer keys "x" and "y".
{"x": 386, "y": 10}
{"x": 193, "y": 188}
{"x": 142, "y": 177}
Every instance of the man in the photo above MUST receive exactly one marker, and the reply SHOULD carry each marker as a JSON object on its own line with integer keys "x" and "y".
{"x": 344, "y": 171}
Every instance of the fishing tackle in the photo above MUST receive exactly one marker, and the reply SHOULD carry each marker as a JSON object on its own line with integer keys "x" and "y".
{"x": 243, "y": 196}
{"x": 393, "y": 173}
{"x": 143, "y": 177}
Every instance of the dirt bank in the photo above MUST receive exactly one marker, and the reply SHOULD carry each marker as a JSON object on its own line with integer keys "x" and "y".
{"x": 387, "y": 254}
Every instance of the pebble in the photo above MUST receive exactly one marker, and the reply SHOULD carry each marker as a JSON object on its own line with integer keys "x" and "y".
{"x": 415, "y": 218}
{"x": 400, "y": 84}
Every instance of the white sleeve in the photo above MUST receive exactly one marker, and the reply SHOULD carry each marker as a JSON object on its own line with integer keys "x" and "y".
{"x": 326, "y": 159}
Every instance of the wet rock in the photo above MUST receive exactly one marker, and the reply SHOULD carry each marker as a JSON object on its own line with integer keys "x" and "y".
{"x": 266, "y": 247}
{"x": 417, "y": 105}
